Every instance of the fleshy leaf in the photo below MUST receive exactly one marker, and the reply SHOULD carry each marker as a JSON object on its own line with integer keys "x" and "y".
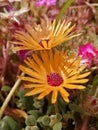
{"x": 30, "y": 120}
{"x": 8, "y": 123}
{"x": 76, "y": 108}
{"x": 57, "y": 126}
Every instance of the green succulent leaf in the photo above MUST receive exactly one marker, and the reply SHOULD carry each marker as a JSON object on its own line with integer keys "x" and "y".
{"x": 45, "y": 120}
{"x": 57, "y": 126}
{"x": 30, "y": 120}
{"x": 6, "y": 88}
{"x": 76, "y": 108}
{"x": 35, "y": 113}
{"x": 95, "y": 81}
{"x": 93, "y": 90}
{"x": 58, "y": 117}
{"x": 38, "y": 103}
{"x": 27, "y": 101}
{"x": 8, "y": 123}
{"x": 31, "y": 128}
{"x": 68, "y": 115}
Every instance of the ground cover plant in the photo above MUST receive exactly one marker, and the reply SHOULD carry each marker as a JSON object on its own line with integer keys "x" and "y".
{"x": 48, "y": 65}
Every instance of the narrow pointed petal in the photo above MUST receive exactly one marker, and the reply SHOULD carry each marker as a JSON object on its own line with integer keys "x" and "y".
{"x": 79, "y": 81}
{"x": 44, "y": 93}
{"x": 64, "y": 95}
{"x": 71, "y": 86}
{"x": 84, "y": 75}
{"x": 35, "y": 91}
{"x": 54, "y": 96}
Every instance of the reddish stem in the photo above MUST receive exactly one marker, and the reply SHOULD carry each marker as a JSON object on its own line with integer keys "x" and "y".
{"x": 85, "y": 122}
{"x": 6, "y": 57}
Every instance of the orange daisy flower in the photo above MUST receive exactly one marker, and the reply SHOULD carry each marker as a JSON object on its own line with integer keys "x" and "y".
{"x": 53, "y": 72}
{"x": 44, "y": 36}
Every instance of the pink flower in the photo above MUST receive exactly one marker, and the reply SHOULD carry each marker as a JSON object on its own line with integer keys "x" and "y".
{"x": 89, "y": 54}
{"x": 52, "y": 14}
{"x": 82, "y": 1}
{"x": 22, "y": 54}
{"x": 45, "y": 2}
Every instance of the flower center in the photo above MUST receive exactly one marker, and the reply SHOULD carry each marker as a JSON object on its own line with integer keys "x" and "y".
{"x": 54, "y": 79}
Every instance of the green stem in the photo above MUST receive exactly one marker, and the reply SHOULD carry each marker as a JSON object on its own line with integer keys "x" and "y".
{"x": 56, "y": 108}
{"x": 1, "y": 97}
{"x": 66, "y": 5}
{"x": 8, "y": 98}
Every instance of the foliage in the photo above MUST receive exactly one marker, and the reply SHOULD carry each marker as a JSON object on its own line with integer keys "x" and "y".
{"x": 27, "y": 112}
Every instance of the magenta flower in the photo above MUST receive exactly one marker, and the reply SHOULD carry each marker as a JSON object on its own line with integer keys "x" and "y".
{"x": 45, "y": 2}
{"x": 89, "y": 54}
{"x": 22, "y": 54}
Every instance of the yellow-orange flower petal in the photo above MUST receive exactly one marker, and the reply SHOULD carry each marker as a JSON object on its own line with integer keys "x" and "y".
{"x": 44, "y": 36}
{"x": 53, "y": 72}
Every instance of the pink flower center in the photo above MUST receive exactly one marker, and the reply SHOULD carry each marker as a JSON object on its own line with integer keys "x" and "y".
{"x": 54, "y": 79}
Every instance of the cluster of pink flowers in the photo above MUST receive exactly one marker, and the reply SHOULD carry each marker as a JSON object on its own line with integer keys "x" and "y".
{"x": 22, "y": 54}
{"x": 89, "y": 55}
{"x": 45, "y": 2}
